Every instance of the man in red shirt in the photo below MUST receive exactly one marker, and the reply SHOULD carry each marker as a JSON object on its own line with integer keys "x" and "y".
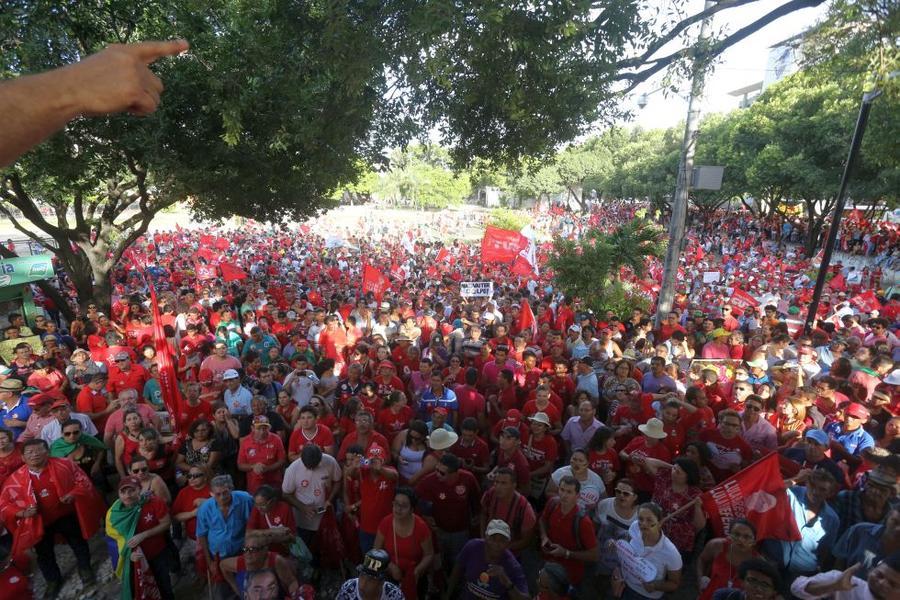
{"x": 124, "y": 375}
{"x": 153, "y": 522}
{"x": 189, "y": 499}
{"x": 567, "y": 534}
{"x": 669, "y": 326}
{"x": 540, "y": 449}
{"x": 471, "y": 404}
{"x": 562, "y": 383}
{"x": 542, "y": 403}
{"x": 471, "y": 449}
{"x": 453, "y": 496}
{"x": 510, "y": 455}
{"x": 92, "y": 401}
{"x": 308, "y": 431}
{"x": 377, "y": 482}
{"x": 729, "y": 452}
{"x": 261, "y": 456}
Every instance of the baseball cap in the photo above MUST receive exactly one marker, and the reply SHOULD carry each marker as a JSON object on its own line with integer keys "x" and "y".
{"x": 121, "y": 356}
{"x": 375, "y": 564}
{"x": 230, "y": 374}
{"x": 855, "y": 409}
{"x": 261, "y": 421}
{"x": 818, "y": 436}
{"x": 59, "y": 403}
{"x": 498, "y": 527}
{"x": 130, "y": 481}
{"x": 375, "y": 451}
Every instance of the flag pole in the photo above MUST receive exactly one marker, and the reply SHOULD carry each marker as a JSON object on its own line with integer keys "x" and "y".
{"x": 680, "y": 510}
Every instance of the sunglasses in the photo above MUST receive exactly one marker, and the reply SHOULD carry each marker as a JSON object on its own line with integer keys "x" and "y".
{"x": 71, "y": 433}
{"x": 143, "y": 470}
{"x": 194, "y": 475}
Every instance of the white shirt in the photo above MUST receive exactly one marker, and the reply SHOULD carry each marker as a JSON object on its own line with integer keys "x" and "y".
{"x": 52, "y": 431}
{"x": 311, "y": 487}
{"x": 860, "y": 589}
{"x": 592, "y": 490}
{"x": 664, "y": 556}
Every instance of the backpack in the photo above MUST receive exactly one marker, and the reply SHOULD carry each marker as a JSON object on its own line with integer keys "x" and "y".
{"x": 553, "y": 504}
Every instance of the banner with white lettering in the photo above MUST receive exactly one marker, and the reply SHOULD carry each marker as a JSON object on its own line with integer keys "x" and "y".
{"x": 476, "y": 289}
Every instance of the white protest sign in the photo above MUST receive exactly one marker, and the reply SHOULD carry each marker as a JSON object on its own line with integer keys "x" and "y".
{"x": 711, "y": 276}
{"x": 634, "y": 567}
{"x": 476, "y": 289}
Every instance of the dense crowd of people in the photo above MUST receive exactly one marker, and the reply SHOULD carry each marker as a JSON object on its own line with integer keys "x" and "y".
{"x": 450, "y": 446}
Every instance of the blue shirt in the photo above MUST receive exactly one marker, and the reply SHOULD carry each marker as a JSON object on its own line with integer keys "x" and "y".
{"x": 20, "y": 411}
{"x": 861, "y": 544}
{"x": 802, "y": 557}
{"x": 238, "y": 402}
{"x": 225, "y": 535}
{"x": 429, "y": 401}
{"x": 854, "y": 442}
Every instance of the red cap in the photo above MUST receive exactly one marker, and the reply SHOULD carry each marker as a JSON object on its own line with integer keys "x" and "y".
{"x": 375, "y": 451}
{"x": 855, "y": 409}
{"x": 386, "y": 364}
{"x": 513, "y": 415}
{"x": 441, "y": 411}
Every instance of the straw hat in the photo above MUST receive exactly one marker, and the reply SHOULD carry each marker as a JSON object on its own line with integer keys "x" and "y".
{"x": 653, "y": 428}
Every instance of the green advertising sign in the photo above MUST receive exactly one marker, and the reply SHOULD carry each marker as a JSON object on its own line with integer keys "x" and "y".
{"x": 22, "y": 269}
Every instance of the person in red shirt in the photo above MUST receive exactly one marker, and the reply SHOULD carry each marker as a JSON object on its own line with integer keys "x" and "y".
{"x": 530, "y": 372}
{"x": 153, "y": 522}
{"x": 567, "y": 534}
{"x": 377, "y": 482}
{"x": 471, "y": 404}
{"x": 364, "y": 435}
{"x": 695, "y": 414}
{"x": 471, "y": 449}
{"x": 332, "y": 341}
{"x": 729, "y": 453}
{"x": 193, "y": 408}
{"x": 126, "y": 375}
{"x": 630, "y": 414}
{"x": 261, "y": 456}
{"x": 540, "y": 449}
{"x": 506, "y": 397}
{"x": 309, "y": 431}
{"x": 395, "y": 416}
{"x": 509, "y": 454}
{"x": 406, "y": 538}
{"x": 93, "y": 402}
{"x": 542, "y": 403}
{"x": 272, "y": 520}
{"x": 673, "y": 427}
{"x": 454, "y": 497}
{"x": 387, "y": 380}
{"x": 189, "y": 499}
{"x": 648, "y": 445}
{"x": 565, "y": 316}
{"x": 561, "y": 383}
{"x": 669, "y": 326}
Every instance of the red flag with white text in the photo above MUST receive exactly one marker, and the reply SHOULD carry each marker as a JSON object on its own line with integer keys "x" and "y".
{"x": 757, "y": 494}
{"x": 866, "y": 302}
{"x": 501, "y": 245}
{"x": 527, "y": 322}
{"x": 743, "y": 300}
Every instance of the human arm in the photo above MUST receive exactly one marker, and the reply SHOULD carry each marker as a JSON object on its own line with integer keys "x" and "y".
{"x": 825, "y": 585}
{"x": 286, "y": 574}
{"x": 114, "y": 80}
{"x": 228, "y": 567}
{"x": 119, "y": 453}
{"x": 138, "y": 538}
{"x": 427, "y": 558}
{"x": 705, "y": 560}
{"x": 669, "y": 584}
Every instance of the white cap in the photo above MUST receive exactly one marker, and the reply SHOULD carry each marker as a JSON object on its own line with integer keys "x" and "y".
{"x": 230, "y": 374}
{"x": 496, "y": 526}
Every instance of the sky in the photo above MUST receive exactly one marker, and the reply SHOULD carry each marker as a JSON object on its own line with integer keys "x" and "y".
{"x": 742, "y": 64}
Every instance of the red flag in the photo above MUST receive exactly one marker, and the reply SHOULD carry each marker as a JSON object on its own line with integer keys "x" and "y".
{"x": 207, "y": 240}
{"x": 522, "y": 267}
{"x": 866, "y": 302}
{"x": 374, "y": 281}
{"x": 208, "y": 255}
{"x": 205, "y": 271}
{"x": 527, "y": 322}
{"x": 231, "y": 272}
{"x": 168, "y": 381}
{"x": 222, "y": 243}
{"x": 397, "y": 272}
{"x": 442, "y": 255}
{"x": 743, "y": 300}
{"x": 501, "y": 245}
{"x": 838, "y": 283}
{"x": 757, "y": 494}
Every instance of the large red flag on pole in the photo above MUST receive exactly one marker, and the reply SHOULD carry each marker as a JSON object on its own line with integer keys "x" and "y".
{"x": 757, "y": 494}
{"x": 231, "y": 272}
{"x": 168, "y": 381}
{"x": 501, "y": 245}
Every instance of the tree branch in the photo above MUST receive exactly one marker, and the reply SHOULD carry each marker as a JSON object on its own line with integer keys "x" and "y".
{"x": 717, "y": 48}
{"x": 15, "y": 222}
{"x": 19, "y": 198}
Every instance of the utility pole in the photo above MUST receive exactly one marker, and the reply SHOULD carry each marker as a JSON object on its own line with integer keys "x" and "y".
{"x": 685, "y": 171}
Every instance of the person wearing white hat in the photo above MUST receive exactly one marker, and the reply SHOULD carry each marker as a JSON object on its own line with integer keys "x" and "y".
{"x": 237, "y": 398}
{"x": 647, "y": 445}
{"x": 489, "y": 556}
{"x": 541, "y": 449}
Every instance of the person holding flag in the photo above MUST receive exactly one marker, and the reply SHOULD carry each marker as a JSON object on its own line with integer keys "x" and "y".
{"x": 136, "y": 526}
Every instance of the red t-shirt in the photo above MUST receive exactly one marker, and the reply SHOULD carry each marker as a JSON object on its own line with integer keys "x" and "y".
{"x": 471, "y": 402}
{"x": 89, "y": 401}
{"x": 538, "y": 452}
{"x": 374, "y": 438}
{"x": 564, "y": 387}
{"x": 405, "y": 552}
{"x": 478, "y": 453}
{"x": 184, "y": 502}
{"x": 638, "y": 448}
{"x": 267, "y": 452}
{"x": 675, "y": 440}
{"x": 453, "y": 503}
{"x": 152, "y": 512}
{"x": 188, "y": 414}
{"x": 695, "y": 422}
{"x": 530, "y": 409}
{"x": 561, "y": 530}
{"x": 280, "y": 515}
{"x": 604, "y": 462}
{"x": 134, "y": 379}
{"x": 377, "y": 496}
{"x": 518, "y": 463}
{"x": 323, "y": 438}
{"x": 390, "y": 423}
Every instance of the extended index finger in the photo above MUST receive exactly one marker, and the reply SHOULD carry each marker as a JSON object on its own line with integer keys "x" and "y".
{"x": 151, "y": 51}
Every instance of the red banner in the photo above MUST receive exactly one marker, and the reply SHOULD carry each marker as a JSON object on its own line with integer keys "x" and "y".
{"x": 501, "y": 245}
{"x": 208, "y": 255}
{"x": 522, "y": 267}
{"x": 743, "y": 300}
{"x": 838, "y": 283}
{"x": 374, "y": 281}
{"x": 231, "y": 272}
{"x": 527, "y": 322}
{"x": 442, "y": 256}
{"x": 757, "y": 494}
{"x": 168, "y": 381}
{"x": 866, "y": 302}
{"x": 205, "y": 271}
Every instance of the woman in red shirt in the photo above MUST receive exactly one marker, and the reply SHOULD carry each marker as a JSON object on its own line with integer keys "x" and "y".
{"x": 10, "y": 458}
{"x": 407, "y": 539}
{"x": 395, "y": 416}
{"x": 602, "y": 456}
{"x": 272, "y": 519}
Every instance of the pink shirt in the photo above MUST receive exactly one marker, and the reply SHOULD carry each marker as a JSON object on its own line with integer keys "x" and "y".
{"x": 115, "y": 422}
{"x": 761, "y": 436}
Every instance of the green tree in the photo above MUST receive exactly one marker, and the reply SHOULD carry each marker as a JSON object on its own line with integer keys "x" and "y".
{"x": 589, "y": 268}
{"x": 715, "y": 147}
{"x": 421, "y": 176}
{"x": 506, "y": 218}
{"x": 577, "y": 164}
{"x": 647, "y": 166}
